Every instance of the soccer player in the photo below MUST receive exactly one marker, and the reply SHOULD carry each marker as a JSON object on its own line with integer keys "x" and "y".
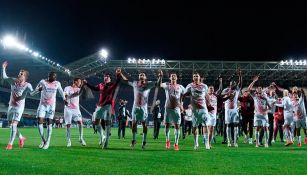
{"x": 72, "y": 109}
{"x": 211, "y": 119}
{"x": 272, "y": 99}
{"x": 104, "y": 106}
{"x": 247, "y": 112}
{"x": 231, "y": 109}
{"x": 198, "y": 93}
{"x": 19, "y": 90}
{"x": 261, "y": 112}
{"x": 173, "y": 108}
{"x": 288, "y": 116}
{"x": 299, "y": 115}
{"x": 46, "y": 108}
{"x": 141, "y": 89}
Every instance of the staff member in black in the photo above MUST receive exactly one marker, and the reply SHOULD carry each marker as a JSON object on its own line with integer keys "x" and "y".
{"x": 156, "y": 114}
{"x": 123, "y": 113}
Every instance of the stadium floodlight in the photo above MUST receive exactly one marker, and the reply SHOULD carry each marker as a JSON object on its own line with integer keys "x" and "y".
{"x": 153, "y": 61}
{"x": 36, "y": 54}
{"x": 133, "y": 60}
{"x": 304, "y": 62}
{"x": 163, "y": 61}
{"x": 281, "y": 62}
{"x": 9, "y": 41}
{"x": 103, "y": 53}
{"x": 129, "y": 60}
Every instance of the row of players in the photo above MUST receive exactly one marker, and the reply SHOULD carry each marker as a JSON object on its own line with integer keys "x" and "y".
{"x": 203, "y": 100}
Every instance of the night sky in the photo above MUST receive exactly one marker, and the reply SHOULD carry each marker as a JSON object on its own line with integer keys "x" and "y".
{"x": 67, "y": 31}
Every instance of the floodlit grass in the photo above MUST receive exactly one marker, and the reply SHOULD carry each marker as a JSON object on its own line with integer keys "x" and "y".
{"x": 120, "y": 159}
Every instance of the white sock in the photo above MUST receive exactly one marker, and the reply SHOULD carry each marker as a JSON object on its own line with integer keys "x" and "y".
{"x": 299, "y": 139}
{"x": 266, "y": 136}
{"x": 49, "y": 132}
{"x": 235, "y": 133}
{"x": 206, "y": 137}
{"x": 80, "y": 131}
{"x": 19, "y": 134}
{"x": 167, "y": 133}
{"x": 228, "y": 132}
{"x": 99, "y": 129}
{"x": 177, "y": 135}
{"x": 41, "y": 132}
{"x": 13, "y": 133}
{"x": 68, "y": 134}
{"x": 195, "y": 139}
{"x": 257, "y": 137}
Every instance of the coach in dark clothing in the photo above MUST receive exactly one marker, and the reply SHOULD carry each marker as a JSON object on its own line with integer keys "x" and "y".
{"x": 247, "y": 112}
{"x": 123, "y": 113}
{"x": 156, "y": 114}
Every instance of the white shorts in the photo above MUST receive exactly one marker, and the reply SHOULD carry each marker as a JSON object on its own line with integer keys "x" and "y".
{"x": 46, "y": 111}
{"x": 288, "y": 116}
{"x": 14, "y": 113}
{"x": 261, "y": 120}
{"x": 172, "y": 116}
{"x": 198, "y": 116}
{"x": 72, "y": 114}
{"x": 210, "y": 119}
{"x": 300, "y": 123}
{"x": 139, "y": 113}
{"x": 231, "y": 116}
{"x": 103, "y": 112}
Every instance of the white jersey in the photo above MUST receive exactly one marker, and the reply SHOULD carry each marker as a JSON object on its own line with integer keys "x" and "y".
{"x": 141, "y": 92}
{"x": 173, "y": 94}
{"x": 48, "y": 93}
{"x": 298, "y": 108}
{"x": 260, "y": 103}
{"x": 232, "y": 103}
{"x": 18, "y": 91}
{"x": 213, "y": 103}
{"x": 198, "y": 95}
{"x": 72, "y": 97}
{"x": 188, "y": 116}
{"x": 287, "y": 104}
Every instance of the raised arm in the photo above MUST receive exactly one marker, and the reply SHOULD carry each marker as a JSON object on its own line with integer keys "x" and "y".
{"x": 38, "y": 89}
{"x": 252, "y": 83}
{"x": 4, "y": 75}
{"x": 94, "y": 88}
{"x": 219, "y": 91}
{"x": 240, "y": 78}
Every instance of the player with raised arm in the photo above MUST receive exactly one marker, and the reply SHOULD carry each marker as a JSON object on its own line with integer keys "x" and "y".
{"x": 104, "y": 107}
{"x": 72, "y": 109}
{"x": 141, "y": 89}
{"x": 261, "y": 111}
{"x": 19, "y": 90}
{"x": 173, "y": 106}
{"x": 231, "y": 109}
{"x": 46, "y": 109}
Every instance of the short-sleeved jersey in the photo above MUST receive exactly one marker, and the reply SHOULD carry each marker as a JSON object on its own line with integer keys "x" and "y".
{"x": 141, "y": 92}
{"x": 198, "y": 95}
{"x": 18, "y": 94}
{"x": 213, "y": 103}
{"x": 173, "y": 94}
{"x": 260, "y": 103}
{"x": 72, "y": 97}
{"x": 298, "y": 108}
{"x": 232, "y": 103}
{"x": 49, "y": 91}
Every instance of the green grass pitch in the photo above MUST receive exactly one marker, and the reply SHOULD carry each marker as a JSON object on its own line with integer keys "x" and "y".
{"x": 120, "y": 159}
